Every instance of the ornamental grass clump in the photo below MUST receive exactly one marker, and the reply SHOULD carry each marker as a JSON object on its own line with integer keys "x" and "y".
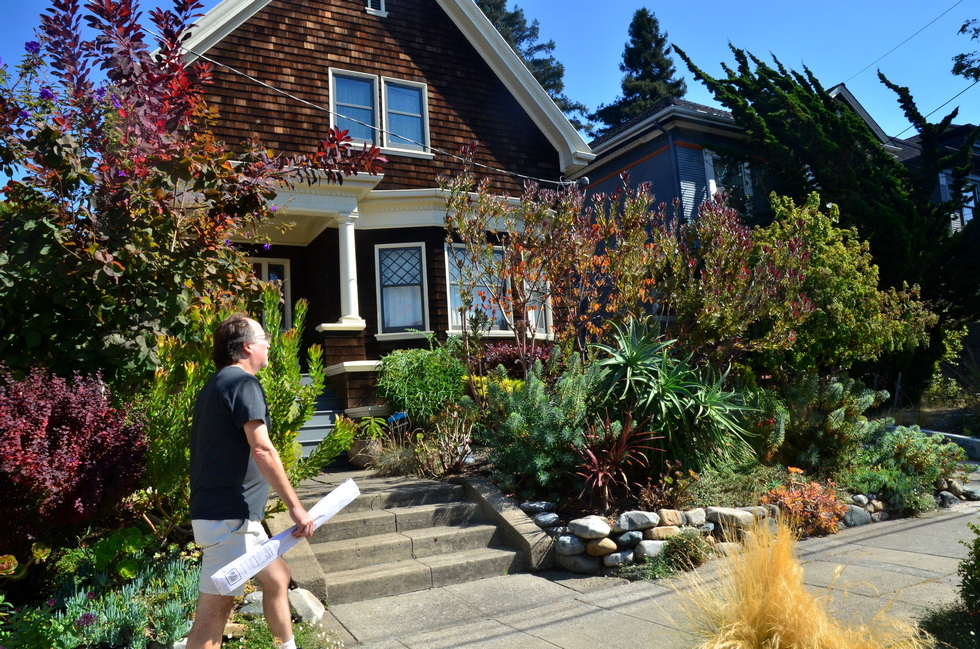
{"x": 759, "y": 601}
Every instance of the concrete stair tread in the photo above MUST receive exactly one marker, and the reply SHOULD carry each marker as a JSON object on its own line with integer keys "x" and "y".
{"x": 390, "y": 497}
{"x": 382, "y": 580}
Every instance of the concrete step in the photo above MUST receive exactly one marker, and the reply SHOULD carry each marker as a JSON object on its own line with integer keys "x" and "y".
{"x": 397, "y": 492}
{"x": 358, "y": 524}
{"x": 321, "y": 417}
{"x": 355, "y": 553}
{"x": 412, "y": 575}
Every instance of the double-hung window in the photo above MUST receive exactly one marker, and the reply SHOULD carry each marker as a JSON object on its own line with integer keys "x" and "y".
{"x": 354, "y": 104}
{"x": 479, "y": 290}
{"x": 402, "y": 302}
{"x": 392, "y": 113}
{"x": 406, "y": 115}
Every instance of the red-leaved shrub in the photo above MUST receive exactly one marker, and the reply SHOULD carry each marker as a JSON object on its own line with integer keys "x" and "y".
{"x": 65, "y": 455}
{"x": 509, "y": 355}
{"x": 813, "y": 508}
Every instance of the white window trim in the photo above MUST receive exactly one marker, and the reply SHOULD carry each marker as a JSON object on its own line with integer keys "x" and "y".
{"x": 544, "y": 333}
{"x": 401, "y": 335}
{"x": 376, "y": 126}
{"x": 381, "y": 13}
{"x": 425, "y": 151}
{"x": 287, "y": 290}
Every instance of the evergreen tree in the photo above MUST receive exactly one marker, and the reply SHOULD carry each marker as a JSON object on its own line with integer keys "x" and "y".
{"x": 649, "y": 73}
{"x": 968, "y": 64}
{"x": 523, "y": 38}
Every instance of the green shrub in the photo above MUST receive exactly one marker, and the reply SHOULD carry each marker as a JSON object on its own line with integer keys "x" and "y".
{"x": 696, "y": 417}
{"x": 687, "y": 550}
{"x": 740, "y": 486}
{"x": 534, "y": 430}
{"x": 969, "y": 572}
{"x": 766, "y": 418}
{"x": 901, "y": 466}
{"x": 422, "y": 382}
{"x": 101, "y": 605}
{"x": 827, "y": 427}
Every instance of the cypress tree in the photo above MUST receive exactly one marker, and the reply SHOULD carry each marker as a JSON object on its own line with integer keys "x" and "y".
{"x": 649, "y": 69}
{"x": 968, "y": 64}
{"x": 537, "y": 56}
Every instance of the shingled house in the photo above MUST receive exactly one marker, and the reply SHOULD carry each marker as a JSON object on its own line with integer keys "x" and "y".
{"x": 418, "y": 78}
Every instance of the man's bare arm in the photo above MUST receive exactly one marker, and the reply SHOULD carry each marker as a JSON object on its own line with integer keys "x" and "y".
{"x": 270, "y": 464}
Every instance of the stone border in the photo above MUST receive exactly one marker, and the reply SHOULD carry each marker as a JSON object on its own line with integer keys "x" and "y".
{"x": 519, "y": 530}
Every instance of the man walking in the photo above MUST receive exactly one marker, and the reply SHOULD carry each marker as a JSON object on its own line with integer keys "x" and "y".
{"x": 233, "y": 464}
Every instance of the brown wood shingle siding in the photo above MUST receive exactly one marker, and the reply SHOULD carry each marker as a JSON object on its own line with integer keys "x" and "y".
{"x": 292, "y": 45}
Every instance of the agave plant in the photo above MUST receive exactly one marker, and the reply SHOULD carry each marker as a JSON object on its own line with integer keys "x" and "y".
{"x": 697, "y": 417}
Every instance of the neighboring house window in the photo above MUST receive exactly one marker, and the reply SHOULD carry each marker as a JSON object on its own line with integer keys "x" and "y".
{"x": 276, "y": 270}
{"x": 401, "y": 287}
{"x": 481, "y": 297}
{"x": 376, "y": 8}
{"x": 353, "y": 100}
{"x": 367, "y": 105}
{"x": 406, "y": 114}
{"x": 732, "y": 179}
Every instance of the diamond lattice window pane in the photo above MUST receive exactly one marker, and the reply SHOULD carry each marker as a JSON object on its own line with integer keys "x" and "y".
{"x": 401, "y": 267}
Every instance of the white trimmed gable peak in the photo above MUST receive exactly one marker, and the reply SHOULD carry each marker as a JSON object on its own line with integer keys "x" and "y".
{"x": 574, "y": 154}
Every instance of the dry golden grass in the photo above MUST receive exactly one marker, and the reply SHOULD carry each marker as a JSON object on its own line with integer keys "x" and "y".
{"x": 759, "y": 602}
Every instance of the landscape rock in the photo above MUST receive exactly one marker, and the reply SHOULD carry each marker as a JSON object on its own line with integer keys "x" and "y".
{"x": 727, "y": 548}
{"x": 536, "y": 507}
{"x": 940, "y": 484}
{"x": 730, "y": 517}
{"x": 707, "y": 528}
{"x": 695, "y": 517}
{"x": 556, "y": 531}
{"x": 635, "y": 520}
{"x": 971, "y": 494}
{"x": 947, "y": 499}
{"x": 614, "y": 559}
{"x": 856, "y": 516}
{"x": 305, "y": 605}
{"x": 581, "y": 564}
{"x": 877, "y": 517}
{"x": 661, "y": 533}
{"x": 774, "y": 512}
{"x": 628, "y": 540}
{"x": 546, "y": 519}
{"x": 180, "y": 644}
{"x": 601, "y": 547}
{"x": 860, "y": 499}
{"x": 569, "y": 545}
{"x": 878, "y": 505}
{"x": 758, "y": 512}
{"x": 648, "y": 549}
{"x": 671, "y": 517}
{"x": 252, "y": 604}
{"x": 954, "y": 487}
{"x": 590, "y": 527}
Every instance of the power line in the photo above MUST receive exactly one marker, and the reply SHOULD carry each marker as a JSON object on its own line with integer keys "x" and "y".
{"x": 904, "y": 42}
{"x": 370, "y": 126}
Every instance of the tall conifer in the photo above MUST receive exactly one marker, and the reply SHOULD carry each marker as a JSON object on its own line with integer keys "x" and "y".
{"x": 650, "y": 73}
{"x": 538, "y": 57}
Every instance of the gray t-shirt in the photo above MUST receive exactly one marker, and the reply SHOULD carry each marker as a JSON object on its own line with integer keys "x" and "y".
{"x": 225, "y": 481}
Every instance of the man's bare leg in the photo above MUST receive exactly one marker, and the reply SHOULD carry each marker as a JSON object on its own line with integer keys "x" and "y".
{"x": 275, "y": 599}
{"x": 209, "y": 622}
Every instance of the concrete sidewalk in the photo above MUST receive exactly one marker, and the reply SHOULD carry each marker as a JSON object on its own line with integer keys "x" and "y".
{"x": 907, "y": 565}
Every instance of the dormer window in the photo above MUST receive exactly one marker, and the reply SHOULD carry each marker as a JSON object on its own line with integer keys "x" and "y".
{"x": 376, "y": 8}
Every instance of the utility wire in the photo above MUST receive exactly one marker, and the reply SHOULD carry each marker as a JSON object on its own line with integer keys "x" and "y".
{"x": 937, "y": 108}
{"x": 904, "y": 42}
{"x": 370, "y": 126}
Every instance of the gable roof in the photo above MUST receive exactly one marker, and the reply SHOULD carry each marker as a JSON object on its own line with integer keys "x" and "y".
{"x": 573, "y": 152}
{"x": 657, "y": 111}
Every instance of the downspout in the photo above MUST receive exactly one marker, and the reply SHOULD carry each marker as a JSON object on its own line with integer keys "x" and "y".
{"x": 675, "y": 167}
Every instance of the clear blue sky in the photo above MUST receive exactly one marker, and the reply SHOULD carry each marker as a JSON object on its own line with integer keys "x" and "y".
{"x": 834, "y": 38}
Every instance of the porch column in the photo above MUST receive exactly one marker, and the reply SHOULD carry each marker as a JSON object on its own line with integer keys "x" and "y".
{"x": 350, "y": 317}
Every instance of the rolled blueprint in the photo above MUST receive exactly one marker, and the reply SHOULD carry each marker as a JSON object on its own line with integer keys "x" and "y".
{"x": 245, "y": 567}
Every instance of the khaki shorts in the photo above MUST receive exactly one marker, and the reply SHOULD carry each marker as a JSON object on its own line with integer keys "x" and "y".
{"x": 222, "y": 543}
